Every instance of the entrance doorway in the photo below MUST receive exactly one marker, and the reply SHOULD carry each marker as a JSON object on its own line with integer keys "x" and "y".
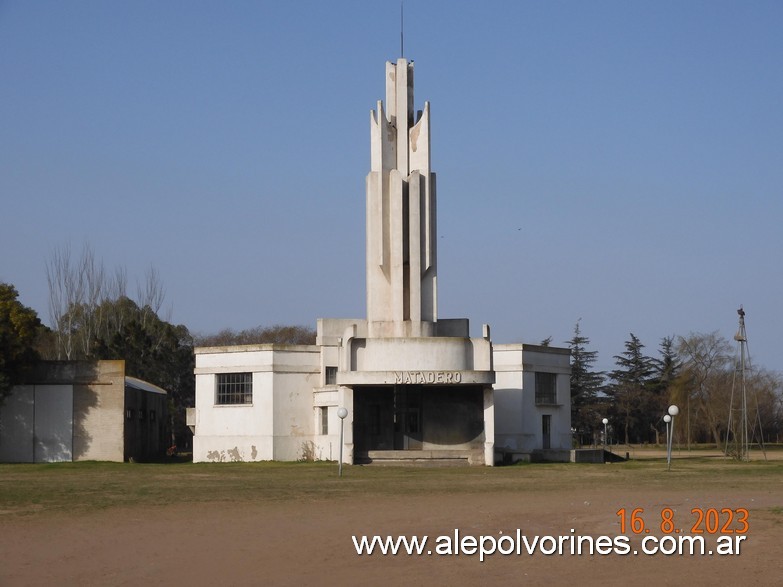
{"x": 418, "y": 417}
{"x": 546, "y": 431}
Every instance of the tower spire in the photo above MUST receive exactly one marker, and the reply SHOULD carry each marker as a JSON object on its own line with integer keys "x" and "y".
{"x": 402, "y": 30}
{"x": 401, "y": 256}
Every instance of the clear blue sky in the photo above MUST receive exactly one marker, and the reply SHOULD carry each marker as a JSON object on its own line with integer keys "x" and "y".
{"x": 619, "y": 162}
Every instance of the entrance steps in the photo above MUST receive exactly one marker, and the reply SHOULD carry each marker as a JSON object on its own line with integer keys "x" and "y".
{"x": 427, "y": 458}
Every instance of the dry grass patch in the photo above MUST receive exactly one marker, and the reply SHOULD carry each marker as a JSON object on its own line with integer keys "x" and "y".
{"x": 43, "y": 489}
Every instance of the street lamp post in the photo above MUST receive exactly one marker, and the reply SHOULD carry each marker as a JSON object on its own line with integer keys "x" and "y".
{"x": 605, "y": 422}
{"x": 667, "y": 418}
{"x": 341, "y": 413}
{"x": 673, "y": 411}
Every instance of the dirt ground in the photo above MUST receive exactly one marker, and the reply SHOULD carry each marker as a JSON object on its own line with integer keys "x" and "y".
{"x": 309, "y": 542}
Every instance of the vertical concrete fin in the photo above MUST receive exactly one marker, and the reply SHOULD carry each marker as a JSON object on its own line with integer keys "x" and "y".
{"x": 403, "y": 114}
{"x": 391, "y": 91}
{"x": 396, "y": 237}
{"x": 415, "y": 183}
{"x": 432, "y": 223}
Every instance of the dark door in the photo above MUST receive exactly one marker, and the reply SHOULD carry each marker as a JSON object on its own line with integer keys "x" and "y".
{"x": 546, "y": 430}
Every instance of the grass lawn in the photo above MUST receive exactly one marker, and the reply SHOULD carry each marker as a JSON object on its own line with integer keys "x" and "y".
{"x": 46, "y": 489}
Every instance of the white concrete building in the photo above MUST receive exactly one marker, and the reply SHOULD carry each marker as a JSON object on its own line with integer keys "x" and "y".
{"x": 416, "y": 386}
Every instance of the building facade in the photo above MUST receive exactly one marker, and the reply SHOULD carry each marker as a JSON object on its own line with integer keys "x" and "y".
{"x": 416, "y": 386}
{"x": 83, "y": 411}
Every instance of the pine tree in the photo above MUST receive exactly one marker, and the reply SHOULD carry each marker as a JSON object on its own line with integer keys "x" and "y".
{"x": 667, "y": 368}
{"x": 586, "y": 409}
{"x": 630, "y": 388}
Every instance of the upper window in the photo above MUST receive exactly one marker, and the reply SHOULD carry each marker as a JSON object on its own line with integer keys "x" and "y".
{"x": 546, "y": 389}
{"x": 234, "y": 388}
{"x": 331, "y": 375}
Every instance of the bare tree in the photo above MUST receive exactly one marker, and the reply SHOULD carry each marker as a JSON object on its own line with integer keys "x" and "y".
{"x": 704, "y": 386}
{"x": 85, "y": 305}
{"x": 151, "y": 293}
{"x": 66, "y": 290}
{"x": 116, "y": 314}
{"x": 150, "y": 296}
{"x": 93, "y": 278}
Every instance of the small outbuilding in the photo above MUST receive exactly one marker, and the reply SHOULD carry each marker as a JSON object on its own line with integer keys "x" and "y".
{"x": 83, "y": 411}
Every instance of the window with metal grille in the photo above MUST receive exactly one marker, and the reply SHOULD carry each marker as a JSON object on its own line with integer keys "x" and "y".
{"x": 234, "y": 388}
{"x": 546, "y": 389}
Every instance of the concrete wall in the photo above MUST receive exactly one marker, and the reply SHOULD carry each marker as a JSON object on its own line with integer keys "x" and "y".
{"x": 17, "y": 418}
{"x": 412, "y": 354}
{"x": 518, "y": 420}
{"x": 71, "y": 410}
{"x": 99, "y": 411}
{"x": 53, "y": 423}
{"x": 294, "y": 428}
{"x": 278, "y": 424}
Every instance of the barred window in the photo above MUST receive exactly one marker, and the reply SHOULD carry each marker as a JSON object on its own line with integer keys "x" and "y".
{"x": 546, "y": 390}
{"x": 234, "y": 388}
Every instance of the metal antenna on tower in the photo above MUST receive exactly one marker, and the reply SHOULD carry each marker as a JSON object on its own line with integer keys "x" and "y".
{"x": 739, "y": 429}
{"x": 402, "y": 30}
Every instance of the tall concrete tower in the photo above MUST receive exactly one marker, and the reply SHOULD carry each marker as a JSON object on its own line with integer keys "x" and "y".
{"x": 401, "y": 228}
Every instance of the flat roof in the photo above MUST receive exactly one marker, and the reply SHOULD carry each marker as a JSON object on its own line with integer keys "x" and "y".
{"x": 143, "y": 385}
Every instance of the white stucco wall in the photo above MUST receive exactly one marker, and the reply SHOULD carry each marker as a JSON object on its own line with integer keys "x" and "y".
{"x": 276, "y": 424}
{"x": 442, "y": 353}
{"x": 518, "y": 420}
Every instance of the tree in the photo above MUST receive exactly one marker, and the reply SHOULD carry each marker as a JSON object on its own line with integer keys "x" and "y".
{"x": 154, "y": 350}
{"x": 82, "y": 299}
{"x": 765, "y": 405}
{"x": 277, "y": 334}
{"x": 20, "y": 332}
{"x": 666, "y": 370}
{"x": 704, "y": 385}
{"x": 66, "y": 291}
{"x": 95, "y": 319}
{"x": 630, "y": 388}
{"x": 586, "y": 408}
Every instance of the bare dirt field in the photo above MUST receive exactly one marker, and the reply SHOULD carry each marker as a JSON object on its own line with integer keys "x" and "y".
{"x": 226, "y": 524}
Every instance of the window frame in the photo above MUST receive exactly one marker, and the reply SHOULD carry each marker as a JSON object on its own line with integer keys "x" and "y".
{"x": 546, "y": 388}
{"x": 234, "y": 389}
{"x": 324, "y": 420}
